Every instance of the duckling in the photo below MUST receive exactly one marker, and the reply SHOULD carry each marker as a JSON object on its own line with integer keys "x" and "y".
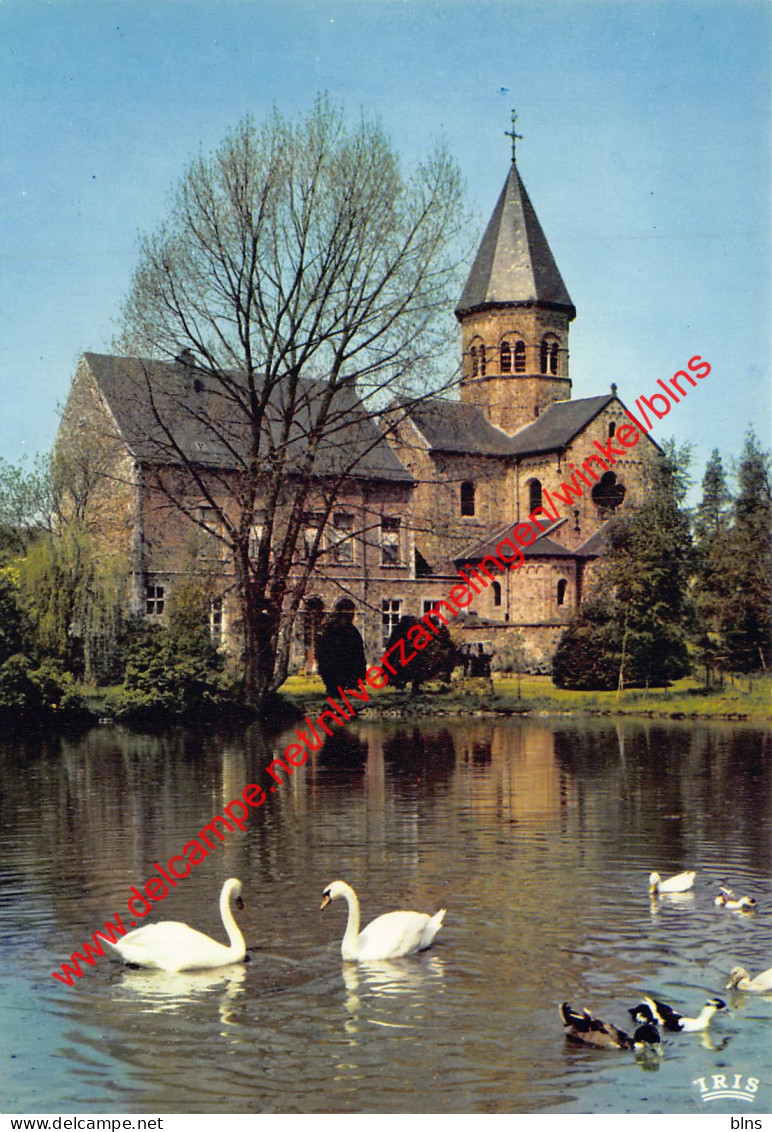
{"x": 653, "y": 1012}
{"x": 739, "y": 979}
{"x": 595, "y": 1032}
{"x": 726, "y": 899}
{"x": 681, "y": 882}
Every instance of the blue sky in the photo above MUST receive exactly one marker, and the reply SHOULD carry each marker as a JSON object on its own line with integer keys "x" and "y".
{"x": 646, "y": 154}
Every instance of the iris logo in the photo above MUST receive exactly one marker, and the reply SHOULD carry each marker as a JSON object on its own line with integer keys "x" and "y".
{"x": 723, "y": 1086}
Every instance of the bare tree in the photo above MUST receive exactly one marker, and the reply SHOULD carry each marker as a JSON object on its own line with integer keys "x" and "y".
{"x": 305, "y": 282}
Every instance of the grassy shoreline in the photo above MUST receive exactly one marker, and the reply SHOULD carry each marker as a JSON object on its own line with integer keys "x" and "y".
{"x": 739, "y": 699}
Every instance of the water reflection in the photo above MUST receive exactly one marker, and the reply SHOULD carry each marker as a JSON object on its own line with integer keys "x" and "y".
{"x": 538, "y": 836}
{"x": 157, "y": 991}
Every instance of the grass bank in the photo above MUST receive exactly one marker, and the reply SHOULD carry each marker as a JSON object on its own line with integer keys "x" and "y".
{"x": 739, "y": 698}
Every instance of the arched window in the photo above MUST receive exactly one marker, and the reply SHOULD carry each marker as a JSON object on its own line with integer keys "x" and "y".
{"x": 534, "y": 494}
{"x": 506, "y": 358}
{"x": 607, "y": 494}
{"x": 473, "y": 356}
{"x": 467, "y": 498}
{"x": 562, "y": 584}
{"x": 520, "y": 357}
{"x": 612, "y": 427}
{"x": 554, "y": 358}
{"x": 482, "y": 361}
{"x": 544, "y": 355}
{"x": 496, "y": 587}
{"x": 346, "y": 610}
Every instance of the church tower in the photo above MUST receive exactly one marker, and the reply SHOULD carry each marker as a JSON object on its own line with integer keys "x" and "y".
{"x": 514, "y": 313}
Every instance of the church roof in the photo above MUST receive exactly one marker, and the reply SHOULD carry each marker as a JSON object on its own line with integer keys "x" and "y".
{"x": 545, "y": 547}
{"x": 514, "y": 265}
{"x": 166, "y": 413}
{"x": 450, "y": 426}
{"x": 557, "y": 425}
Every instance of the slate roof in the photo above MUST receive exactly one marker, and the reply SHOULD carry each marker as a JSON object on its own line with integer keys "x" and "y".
{"x": 545, "y": 547}
{"x": 558, "y": 425}
{"x": 166, "y": 412}
{"x": 450, "y": 426}
{"x": 514, "y": 265}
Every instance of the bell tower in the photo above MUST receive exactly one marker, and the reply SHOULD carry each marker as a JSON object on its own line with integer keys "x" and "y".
{"x": 514, "y": 313}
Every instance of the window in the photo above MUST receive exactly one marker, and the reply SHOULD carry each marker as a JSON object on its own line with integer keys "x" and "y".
{"x": 554, "y": 358}
{"x": 391, "y": 611}
{"x": 467, "y": 498}
{"x": 208, "y": 516}
{"x": 534, "y": 495}
{"x": 612, "y": 427}
{"x": 346, "y": 610}
{"x": 390, "y": 555}
{"x": 482, "y": 361}
{"x": 311, "y": 533}
{"x": 562, "y": 584}
{"x": 211, "y": 546}
{"x": 215, "y": 620}
{"x": 496, "y": 593}
{"x": 475, "y": 364}
{"x": 520, "y": 357}
{"x": 154, "y": 600}
{"x": 506, "y": 358}
{"x": 607, "y": 494}
{"x": 342, "y": 530}
{"x": 255, "y": 535}
{"x": 544, "y": 355}
{"x": 429, "y": 608}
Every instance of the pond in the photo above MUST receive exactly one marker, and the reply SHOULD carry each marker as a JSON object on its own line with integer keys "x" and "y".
{"x": 537, "y": 835}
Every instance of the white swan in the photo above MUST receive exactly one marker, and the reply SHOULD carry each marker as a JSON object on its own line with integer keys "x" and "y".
{"x": 739, "y": 979}
{"x": 389, "y": 936}
{"x": 681, "y": 882}
{"x": 172, "y": 946}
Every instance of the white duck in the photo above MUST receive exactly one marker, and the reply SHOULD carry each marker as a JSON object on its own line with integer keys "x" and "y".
{"x": 681, "y": 882}
{"x": 739, "y": 979}
{"x": 173, "y": 946}
{"x": 390, "y": 936}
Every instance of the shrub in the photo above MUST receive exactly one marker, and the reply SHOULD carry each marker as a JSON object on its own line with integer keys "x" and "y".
{"x": 340, "y": 655}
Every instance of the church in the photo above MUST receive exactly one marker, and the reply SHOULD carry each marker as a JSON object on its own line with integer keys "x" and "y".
{"x": 451, "y": 481}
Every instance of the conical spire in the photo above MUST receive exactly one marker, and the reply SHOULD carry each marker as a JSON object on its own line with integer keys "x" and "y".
{"x": 514, "y": 265}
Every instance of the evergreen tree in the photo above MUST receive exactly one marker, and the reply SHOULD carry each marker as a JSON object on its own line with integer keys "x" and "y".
{"x": 632, "y": 631}
{"x": 746, "y": 571}
{"x": 711, "y": 534}
{"x": 340, "y": 655}
{"x": 650, "y": 564}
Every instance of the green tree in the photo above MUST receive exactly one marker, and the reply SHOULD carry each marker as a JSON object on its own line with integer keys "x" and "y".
{"x": 27, "y": 503}
{"x": 14, "y": 629}
{"x": 746, "y": 571}
{"x": 304, "y": 278}
{"x": 75, "y": 603}
{"x": 437, "y": 659}
{"x": 650, "y": 565}
{"x": 711, "y": 544}
{"x": 635, "y": 622}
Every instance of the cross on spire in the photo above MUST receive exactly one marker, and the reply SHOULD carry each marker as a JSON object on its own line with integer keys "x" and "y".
{"x": 513, "y": 134}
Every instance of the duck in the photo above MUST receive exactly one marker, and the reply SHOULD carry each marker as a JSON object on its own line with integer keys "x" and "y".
{"x": 726, "y": 899}
{"x": 173, "y": 946}
{"x": 590, "y": 1031}
{"x": 391, "y": 936}
{"x": 659, "y": 1013}
{"x": 681, "y": 882}
{"x": 739, "y": 979}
